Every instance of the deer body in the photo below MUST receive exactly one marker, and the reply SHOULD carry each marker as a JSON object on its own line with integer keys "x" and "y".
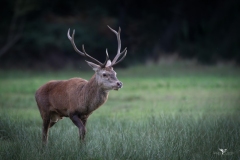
{"x": 68, "y": 96}
{"x": 77, "y": 98}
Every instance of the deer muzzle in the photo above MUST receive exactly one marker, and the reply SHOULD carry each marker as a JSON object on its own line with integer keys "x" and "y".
{"x": 118, "y": 85}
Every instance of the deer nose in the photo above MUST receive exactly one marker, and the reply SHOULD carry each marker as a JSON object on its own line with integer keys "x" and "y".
{"x": 119, "y": 84}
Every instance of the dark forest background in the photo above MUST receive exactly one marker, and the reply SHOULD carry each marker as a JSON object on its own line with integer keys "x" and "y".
{"x": 33, "y": 33}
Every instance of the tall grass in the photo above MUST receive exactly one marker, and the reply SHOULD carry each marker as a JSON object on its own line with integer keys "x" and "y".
{"x": 185, "y": 113}
{"x": 161, "y": 137}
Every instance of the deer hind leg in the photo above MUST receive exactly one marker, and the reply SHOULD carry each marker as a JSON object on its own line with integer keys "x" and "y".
{"x": 46, "y": 122}
{"x": 54, "y": 118}
{"x": 84, "y": 121}
{"x": 43, "y": 106}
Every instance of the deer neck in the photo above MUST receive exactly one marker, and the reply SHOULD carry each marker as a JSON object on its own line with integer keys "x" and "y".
{"x": 96, "y": 95}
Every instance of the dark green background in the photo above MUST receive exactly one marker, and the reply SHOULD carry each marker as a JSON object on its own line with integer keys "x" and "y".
{"x": 33, "y": 32}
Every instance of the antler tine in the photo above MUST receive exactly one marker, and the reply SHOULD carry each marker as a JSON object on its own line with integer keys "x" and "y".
{"x": 120, "y": 59}
{"x": 84, "y": 53}
{"x": 123, "y": 51}
{"x": 107, "y": 58}
{"x": 119, "y": 44}
{"x": 73, "y": 43}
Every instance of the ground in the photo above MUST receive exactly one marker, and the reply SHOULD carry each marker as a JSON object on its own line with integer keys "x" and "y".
{"x": 165, "y": 111}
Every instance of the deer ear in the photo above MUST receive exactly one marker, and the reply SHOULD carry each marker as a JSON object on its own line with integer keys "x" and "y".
{"x": 94, "y": 66}
{"x": 108, "y": 63}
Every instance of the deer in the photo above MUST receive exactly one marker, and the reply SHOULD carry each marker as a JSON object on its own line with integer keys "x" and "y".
{"x": 77, "y": 98}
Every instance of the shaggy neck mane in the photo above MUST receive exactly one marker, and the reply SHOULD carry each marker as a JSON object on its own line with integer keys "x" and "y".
{"x": 95, "y": 95}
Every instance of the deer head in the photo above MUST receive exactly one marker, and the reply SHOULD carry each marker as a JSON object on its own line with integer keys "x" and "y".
{"x": 104, "y": 73}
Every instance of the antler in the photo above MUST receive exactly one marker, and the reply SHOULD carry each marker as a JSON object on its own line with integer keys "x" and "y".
{"x": 84, "y": 53}
{"x": 119, "y": 53}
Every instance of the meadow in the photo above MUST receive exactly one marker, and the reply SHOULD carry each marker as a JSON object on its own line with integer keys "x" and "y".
{"x": 179, "y": 111}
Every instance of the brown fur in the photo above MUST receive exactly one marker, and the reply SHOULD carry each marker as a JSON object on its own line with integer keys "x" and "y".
{"x": 68, "y": 98}
{"x": 77, "y": 98}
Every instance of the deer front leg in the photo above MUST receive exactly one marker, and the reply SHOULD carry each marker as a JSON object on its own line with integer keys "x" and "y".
{"x": 77, "y": 121}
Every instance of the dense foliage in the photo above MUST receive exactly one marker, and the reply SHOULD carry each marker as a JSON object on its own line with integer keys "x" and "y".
{"x": 33, "y": 33}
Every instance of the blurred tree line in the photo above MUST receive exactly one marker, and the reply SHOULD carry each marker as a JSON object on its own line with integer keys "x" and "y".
{"x": 33, "y": 33}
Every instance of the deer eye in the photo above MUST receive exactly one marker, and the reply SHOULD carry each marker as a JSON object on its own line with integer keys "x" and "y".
{"x": 104, "y": 75}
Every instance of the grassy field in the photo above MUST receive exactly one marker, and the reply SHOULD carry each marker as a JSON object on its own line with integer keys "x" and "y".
{"x": 162, "y": 112}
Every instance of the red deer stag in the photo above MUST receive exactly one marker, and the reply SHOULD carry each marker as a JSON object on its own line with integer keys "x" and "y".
{"x": 77, "y": 98}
